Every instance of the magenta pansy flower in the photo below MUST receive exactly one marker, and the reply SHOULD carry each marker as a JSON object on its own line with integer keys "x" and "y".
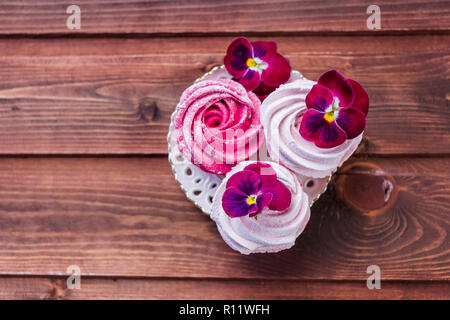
{"x": 262, "y": 91}
{"x": 249, "y": 191}
{"x": 337, "y": 110}
{"x": 252, "y": 63}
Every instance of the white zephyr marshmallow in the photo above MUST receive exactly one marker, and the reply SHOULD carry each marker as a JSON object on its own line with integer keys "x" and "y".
{"x": 281, "y": 114}
{"x": 272, "y": 231}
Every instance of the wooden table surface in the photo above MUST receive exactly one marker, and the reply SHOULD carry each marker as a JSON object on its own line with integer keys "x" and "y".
{"x": 84, "y": 176}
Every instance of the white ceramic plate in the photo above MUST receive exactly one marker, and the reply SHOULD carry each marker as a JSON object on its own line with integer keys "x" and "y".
{"x": 200, "y": 186}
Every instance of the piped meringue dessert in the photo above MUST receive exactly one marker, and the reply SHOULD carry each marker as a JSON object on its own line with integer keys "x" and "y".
{"x": 260, "y": 207}
{"x": 232, "y": 114}
{"x": 217, "y": 124}
{"x": 311, "y": 154}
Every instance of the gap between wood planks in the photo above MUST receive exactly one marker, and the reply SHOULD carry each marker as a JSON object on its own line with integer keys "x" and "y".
{"x": 142, "y": 36}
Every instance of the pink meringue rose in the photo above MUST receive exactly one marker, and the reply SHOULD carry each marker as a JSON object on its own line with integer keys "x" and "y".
{"x": 217, "y": 125}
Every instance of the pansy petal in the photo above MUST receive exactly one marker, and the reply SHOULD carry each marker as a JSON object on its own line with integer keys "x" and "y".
{"x": 319, "y": 98}
{"x": 246, "y": 181}
{"x": 277, "y": 72}
{"x": 361, "y": 100}
{"x": 264, "y": 50}
{"x": 262, "y": 91}
{"x": 352, "y": 121}
{"x": 331, "y": 136}
{"x": 237, "y": 68}
{"x": 250, "y": 80}
{"x": 312, "y": 124}
{"x": 339, "y": 85}
{"x": 266, "y": 174}
{"x": 262, "y": 201}
{"x": 253, "y": 209}
{"x": 235, "y": 60}
{"x": 281, "y": 197}
{"x": 234, "y": 203}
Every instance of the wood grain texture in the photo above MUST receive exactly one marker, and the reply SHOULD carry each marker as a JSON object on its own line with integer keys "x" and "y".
{"x": 231, "y": 16}
{"x": 84, "y": 181}
{"x": 123, "y": 288}
{"x": 128, "y": 217}
{"x": 115, "y": 96}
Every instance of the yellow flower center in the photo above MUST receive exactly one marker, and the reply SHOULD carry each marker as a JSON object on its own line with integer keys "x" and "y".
{"x": 251, "y": 200}
{"x": 251, "y": 63}
{"x": 332, "y": 111}
{"x": 329, "y": 116}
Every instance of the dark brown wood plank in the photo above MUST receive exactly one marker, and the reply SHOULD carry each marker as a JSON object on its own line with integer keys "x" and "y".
{"x": 115, "y": 96}
{"x": 232, "y": 16}
{"x": 122, "y": 288}
{"x": 128, "y": 217}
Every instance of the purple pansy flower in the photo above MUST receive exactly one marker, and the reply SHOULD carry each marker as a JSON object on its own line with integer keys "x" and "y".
{"x": 337, "y": 110}
{"x": 252, "y": 63}
{"x": 262, "y": 91}
{"x": 249, "y": 191}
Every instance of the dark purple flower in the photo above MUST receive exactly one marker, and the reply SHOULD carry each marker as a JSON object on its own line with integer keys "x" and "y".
{"x": 249, "y": 191}
{"x": 337, "y": 110}
{"x": 262, "y": 91}
{"x": 256, "y": 62}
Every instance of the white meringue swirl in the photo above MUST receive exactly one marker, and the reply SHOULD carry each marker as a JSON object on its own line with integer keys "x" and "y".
{"x": 281, "y": 115}
{"x": 272, "y": 231}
